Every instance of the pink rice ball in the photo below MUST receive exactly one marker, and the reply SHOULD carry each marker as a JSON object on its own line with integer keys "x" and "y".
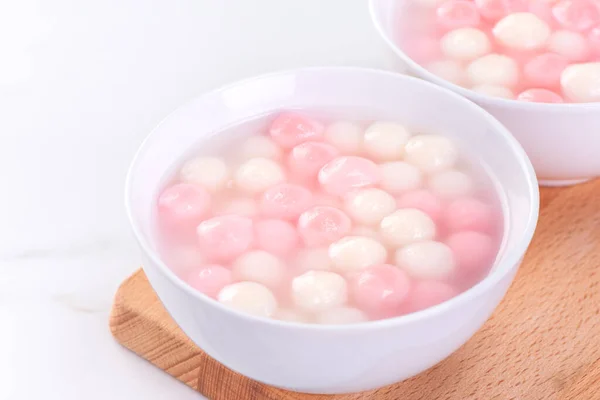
{"x": 210, "y": 279}
{"x": 380, "y": 290}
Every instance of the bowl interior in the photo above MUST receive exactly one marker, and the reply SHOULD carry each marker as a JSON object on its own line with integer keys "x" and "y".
{"x": 385, "y": 13}
{"x": 381, "y": 95}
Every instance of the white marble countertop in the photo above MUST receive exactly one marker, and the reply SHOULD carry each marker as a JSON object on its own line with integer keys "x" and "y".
{"x": 81, "y": 84}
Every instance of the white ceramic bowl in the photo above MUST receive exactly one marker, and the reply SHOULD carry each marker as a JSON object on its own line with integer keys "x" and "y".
{"x": 334, "y": 359}
{"x": 561, "y": 140}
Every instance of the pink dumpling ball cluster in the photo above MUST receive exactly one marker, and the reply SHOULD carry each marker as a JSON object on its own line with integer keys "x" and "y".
{"x": 329, "y": 222}
{"x": 545, "y": 51}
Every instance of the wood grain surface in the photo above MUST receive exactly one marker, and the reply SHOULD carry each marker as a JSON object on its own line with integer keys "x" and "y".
{"x": 542, "y": 343}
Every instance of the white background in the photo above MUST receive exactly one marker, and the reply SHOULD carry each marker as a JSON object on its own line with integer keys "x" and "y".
{"x": 81, "y": 84}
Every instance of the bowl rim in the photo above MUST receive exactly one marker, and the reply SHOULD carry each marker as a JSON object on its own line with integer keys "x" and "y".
{"x": 480, "y": 98}
{"x": 511, "y": 257}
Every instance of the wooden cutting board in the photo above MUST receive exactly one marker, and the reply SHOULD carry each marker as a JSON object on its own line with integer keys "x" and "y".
{"x": 542, "y": 343}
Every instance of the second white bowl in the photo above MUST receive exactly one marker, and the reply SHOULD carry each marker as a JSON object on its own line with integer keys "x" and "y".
{"x": 562, "y": 140}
